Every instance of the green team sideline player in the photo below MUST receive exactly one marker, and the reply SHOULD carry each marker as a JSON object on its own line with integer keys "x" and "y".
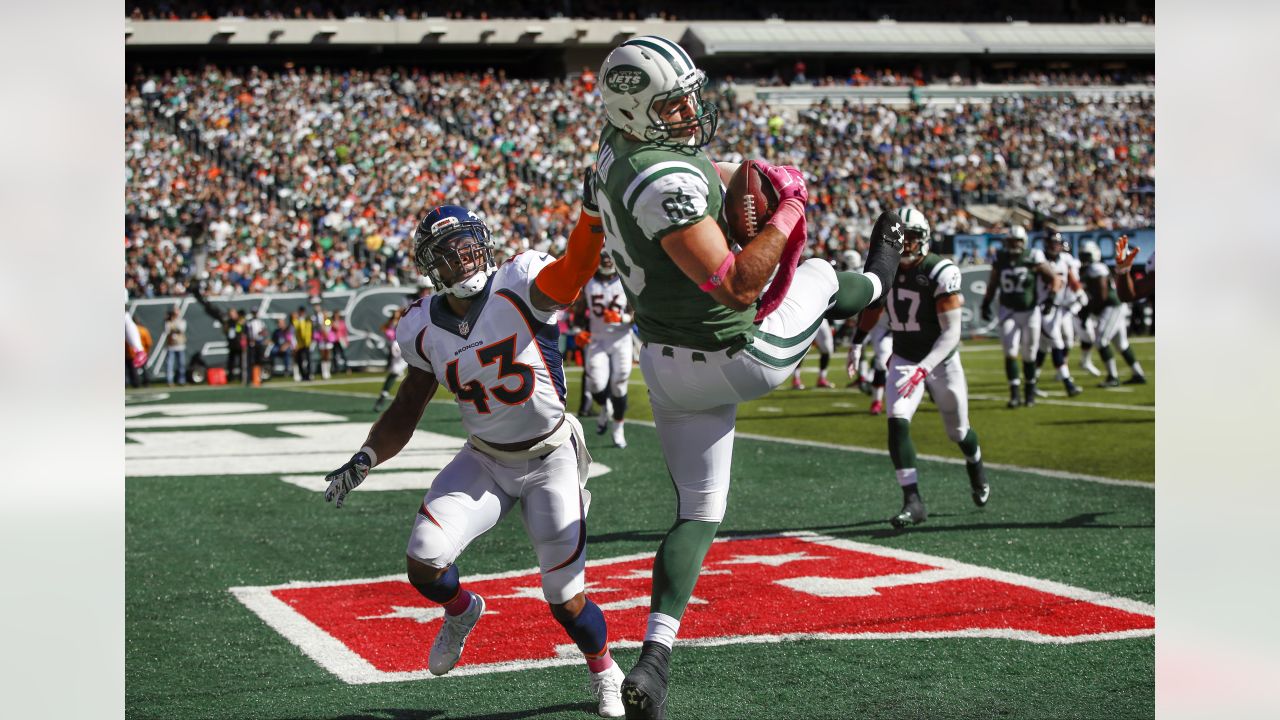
{"x": 711, "y": 339}
{"x": 1012, "y": 275}
{"x": 924, "y": 315}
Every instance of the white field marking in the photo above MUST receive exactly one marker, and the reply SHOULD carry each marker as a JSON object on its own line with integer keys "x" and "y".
{"x": 843, "y": 405}
{"x": 314, "y": 449}
{"x": 194, "y": 409}
{"x": 380, "y": 480}
{"x": 349, "y": 667}
{"x": 132, "y": 398}
{"x": 1045, "y": 472}
{"x": 264, "y": 418}
{"x": 1074, "y": 403}
{"x": 769, "y": 409}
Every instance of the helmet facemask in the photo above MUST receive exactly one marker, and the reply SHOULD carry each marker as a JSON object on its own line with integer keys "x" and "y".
{"x": 460, "y": 261}
{"x": 695, "y": 131}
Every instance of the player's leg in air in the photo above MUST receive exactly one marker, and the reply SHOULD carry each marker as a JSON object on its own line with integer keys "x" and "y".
{"x": 1010, "y": 330}
{"x": 469, "y": 497}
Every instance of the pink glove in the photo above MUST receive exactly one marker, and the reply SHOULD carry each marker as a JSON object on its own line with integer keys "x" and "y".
{"x": 791, "y": 255}
{"x": 909, "y": 381}
{"x": 139, "y": 358}
{"x": 788, "y": 182}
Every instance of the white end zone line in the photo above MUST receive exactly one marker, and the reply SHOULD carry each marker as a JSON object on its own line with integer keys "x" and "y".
{"x": 1044, "y": 472}
{"x": 332, "y": 655}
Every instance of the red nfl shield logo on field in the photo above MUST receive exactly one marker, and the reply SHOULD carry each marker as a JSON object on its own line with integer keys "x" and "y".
{"x": 767, "y": 589}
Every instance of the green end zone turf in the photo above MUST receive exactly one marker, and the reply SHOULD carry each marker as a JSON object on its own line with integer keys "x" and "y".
{"x": 195, "y": 651}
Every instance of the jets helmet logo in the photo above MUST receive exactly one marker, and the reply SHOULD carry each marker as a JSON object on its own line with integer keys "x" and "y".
{"x": 627, "y": 79}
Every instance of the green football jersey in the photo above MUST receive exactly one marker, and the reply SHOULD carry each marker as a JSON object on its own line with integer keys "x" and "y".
{"x": 1100, "y": 270}
{"x": 1017, "y": 277}
{"x": 644, "y": 192}
{"x": 912, "y": 305}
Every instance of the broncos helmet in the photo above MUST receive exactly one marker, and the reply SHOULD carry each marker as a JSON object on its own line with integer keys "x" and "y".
{"x": 607, "y": 267}
{"x": 640, "y": 81}
{"x": 1090, "y": 252}
{"x": 451, "y": 247}
{"x": 915, "y": 243}
{"x": 1053, "y": 244}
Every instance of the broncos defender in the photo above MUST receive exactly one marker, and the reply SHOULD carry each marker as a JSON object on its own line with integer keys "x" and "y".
{"x": 1055, "y": 309}
{"x": 1012, "y": 276}
{"x": 491, "y": 335}
{"x": 924, "y": 314}
{"x": 712, "y": 335}
{"x": 608, "y": 358}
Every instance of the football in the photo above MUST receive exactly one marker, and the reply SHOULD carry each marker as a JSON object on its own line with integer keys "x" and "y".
{"x": 750, "y": 200}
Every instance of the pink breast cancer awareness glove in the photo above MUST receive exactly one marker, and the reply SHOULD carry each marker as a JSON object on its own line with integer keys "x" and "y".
{"x": 788, "y": 182}
{"x": 139, "y": 358}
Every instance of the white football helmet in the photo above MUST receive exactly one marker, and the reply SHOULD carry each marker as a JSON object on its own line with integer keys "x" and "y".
{"x": 1090, "y": 252}
{"x": 915, "y": 243}
{"x": 650, "y": 71}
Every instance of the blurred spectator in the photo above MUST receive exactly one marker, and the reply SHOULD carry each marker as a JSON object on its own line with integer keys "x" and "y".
{"x": 340, "y": 339}
{"x": 282, "y": 346}
{"x": 175, "y": 345}
{"x": 303, "y": 330}
{"x": 312, "y": 180}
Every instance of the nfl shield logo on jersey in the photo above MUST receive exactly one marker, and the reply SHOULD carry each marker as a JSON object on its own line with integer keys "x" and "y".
{"x": 464, "y": 328}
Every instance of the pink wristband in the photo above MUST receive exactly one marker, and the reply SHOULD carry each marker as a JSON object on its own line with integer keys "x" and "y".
{"x": 718, "y": 276}
{"x": 790, "y": 212}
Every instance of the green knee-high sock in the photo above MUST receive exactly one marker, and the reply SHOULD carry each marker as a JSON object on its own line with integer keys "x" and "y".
{"x": 1011, "y": 369}
{"x": 679, "y": 560}
{"x": 855, "y": 292}
{"x": 901, "y": 449}
{"x": 386, "y": 384}
{"x": 969, "y": 446}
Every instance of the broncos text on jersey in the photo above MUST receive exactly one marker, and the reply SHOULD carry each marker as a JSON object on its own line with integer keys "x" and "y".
{"x": 501, "y": 362}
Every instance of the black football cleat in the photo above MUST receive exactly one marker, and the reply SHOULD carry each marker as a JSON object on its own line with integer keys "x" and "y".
{"x": 377, "y": 405}
{"x": 1136, "y": 380}
{"x": 644, "y": 690}
{"x": 1110, "y": 382}
{"x": 1015, "y": 400}
{"x": 913, "y": 513}
{"x": 981, "y": 490}
{"x": 1072, "y": 388}
{"x": 1030, "y": 395}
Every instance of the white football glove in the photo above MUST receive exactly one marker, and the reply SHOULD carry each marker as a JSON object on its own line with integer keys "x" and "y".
{"x": 912, "y": 376}
{"x": 854, "y": 362}
{"x": 346, "y": 478}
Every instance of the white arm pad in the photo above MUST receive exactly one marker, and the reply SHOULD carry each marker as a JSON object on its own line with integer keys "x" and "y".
{"x": 947, "y": 340}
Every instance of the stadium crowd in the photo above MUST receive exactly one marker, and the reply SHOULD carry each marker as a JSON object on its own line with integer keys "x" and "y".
{"x": 905, "y": 10}
{"x": 313, "y": 179}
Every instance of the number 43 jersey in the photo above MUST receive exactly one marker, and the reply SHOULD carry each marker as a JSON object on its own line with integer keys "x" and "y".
{"x": 501, "y": 362}
{"x": 912, "y": 305}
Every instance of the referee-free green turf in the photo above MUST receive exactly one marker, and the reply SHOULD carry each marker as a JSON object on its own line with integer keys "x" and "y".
{"x": 194, "y": 651}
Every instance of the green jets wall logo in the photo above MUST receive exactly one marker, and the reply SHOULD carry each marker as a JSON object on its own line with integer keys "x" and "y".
{"x": 626, "y": 79}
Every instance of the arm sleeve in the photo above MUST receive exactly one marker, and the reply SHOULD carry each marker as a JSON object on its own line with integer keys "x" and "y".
{"x": 947, "y": 340}
{"x": 562, "y": 279}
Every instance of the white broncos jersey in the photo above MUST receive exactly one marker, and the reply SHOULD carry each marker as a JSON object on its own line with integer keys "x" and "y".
{"x": 502, "y": 361}
{"x": 1062, "y": 265}
{"x": 602, "y": 295}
